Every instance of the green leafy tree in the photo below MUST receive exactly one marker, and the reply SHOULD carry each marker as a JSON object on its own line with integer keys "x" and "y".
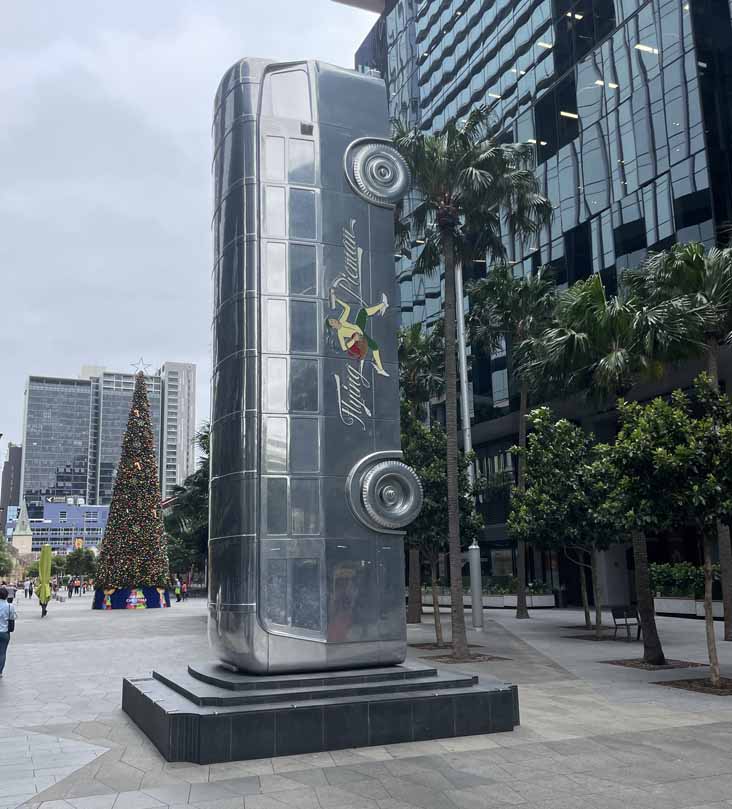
{"x": 81, "y": 562}
{"x": 699, "y": 279}
{"x": 421, "y": 376}
{"x": 58, "y": 565}
{"x": 133, "y": 551}
{"x": 513, "y": 312}
{"x": 186, "y": 523}
{"x": 424, "y": 450}
{"x": 648, "y": 489}
{"x": 472, "y": 191}
{"x": 6, "y": 560}
{"x": 561, "y": 508}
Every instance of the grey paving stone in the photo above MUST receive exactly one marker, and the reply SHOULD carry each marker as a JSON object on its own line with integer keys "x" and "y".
{"x": 249, "y": 785}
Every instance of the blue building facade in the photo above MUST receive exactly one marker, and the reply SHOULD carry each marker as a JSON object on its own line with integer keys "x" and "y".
{"x": 64, "y": 526}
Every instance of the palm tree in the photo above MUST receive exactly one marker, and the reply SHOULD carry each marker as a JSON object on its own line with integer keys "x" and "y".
{"x": 421, "y": 377}
{"x": 186, "y": 523}
{"x": 513, "y": 312}
{"x": 421, "y": 371}
{"x": 604, "y": 346}
{"x": 703, "y": 279}
{"x": 469, "y": 186}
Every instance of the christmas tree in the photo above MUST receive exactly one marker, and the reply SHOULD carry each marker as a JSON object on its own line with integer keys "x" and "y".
{"x": 133, "y": 552}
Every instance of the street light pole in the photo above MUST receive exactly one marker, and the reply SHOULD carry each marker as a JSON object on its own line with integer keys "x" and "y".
{"x": 476, "y": 584}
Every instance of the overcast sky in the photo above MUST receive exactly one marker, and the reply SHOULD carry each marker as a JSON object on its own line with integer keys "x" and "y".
{"x": 105, "y": 187}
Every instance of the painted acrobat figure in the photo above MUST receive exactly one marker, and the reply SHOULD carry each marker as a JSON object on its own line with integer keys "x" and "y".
{"x": 352, "y": 337}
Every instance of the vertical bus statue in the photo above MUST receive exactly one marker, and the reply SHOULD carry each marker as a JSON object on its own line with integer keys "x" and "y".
{"x": 309, "y": 497}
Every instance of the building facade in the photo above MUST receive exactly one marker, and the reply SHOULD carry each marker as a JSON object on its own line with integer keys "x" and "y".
{"x": 628, "y": 104}
{"x": 10, "y": 481}
{"x": 64, "y": 526}
{"x": 73, "y": 430}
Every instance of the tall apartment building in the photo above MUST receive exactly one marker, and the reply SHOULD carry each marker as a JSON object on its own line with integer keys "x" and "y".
{"x": 73, "y": 430}
{"x": 629, "y": 106}
{"x": 10, "y": 481}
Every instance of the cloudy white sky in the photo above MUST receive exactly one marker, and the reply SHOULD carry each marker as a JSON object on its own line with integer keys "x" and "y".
{"x": 105, "y": 190}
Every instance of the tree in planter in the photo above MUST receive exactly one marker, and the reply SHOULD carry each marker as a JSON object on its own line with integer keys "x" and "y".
{"x": 698, "y": 279}
{"x": 604, "y": 345}
{"x": 650, "y": 488}
{"x": 424, "y": 450}
{"x": 467, "y": 183}
{"x": 513, "y": 312}
{"x": 561, "y": 508}
{"x": 421, "y": 377}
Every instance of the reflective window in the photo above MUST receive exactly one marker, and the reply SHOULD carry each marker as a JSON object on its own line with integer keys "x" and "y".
{"x": 274, "y": 211}
{"x": 275, "y": 384}
{"x": 302, "y": 214}
{"x": 287, "y": 95}
{"x": 275, "y": 444}
{"x": 303, "y": 269}
{"x": 275, "y": 326}
{"x": 304, "y": 445}
{"x": 304, "y": 385}
{"x": 276, "y": 510}
{"x": 302, "y": 161}
{"x": 305, "y": 506}
{"x": 274, "y": 159}
{"x": 275, "y": 268}
{"x": 303, "y": 326}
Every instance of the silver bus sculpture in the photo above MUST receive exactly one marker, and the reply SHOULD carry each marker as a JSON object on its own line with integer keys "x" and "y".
{"x": 309, "y": 496}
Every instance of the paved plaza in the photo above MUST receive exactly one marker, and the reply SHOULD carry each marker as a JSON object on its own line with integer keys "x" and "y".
{"x": 593, "y": 735}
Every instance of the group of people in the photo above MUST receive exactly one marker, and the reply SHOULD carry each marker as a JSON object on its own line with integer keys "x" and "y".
{"x": 180, "y": 588}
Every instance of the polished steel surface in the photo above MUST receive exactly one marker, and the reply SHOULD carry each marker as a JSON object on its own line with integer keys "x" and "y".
{"x": 308, "y": 491}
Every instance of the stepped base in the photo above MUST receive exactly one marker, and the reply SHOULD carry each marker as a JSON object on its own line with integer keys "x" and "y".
{"x": 208, "y": 714}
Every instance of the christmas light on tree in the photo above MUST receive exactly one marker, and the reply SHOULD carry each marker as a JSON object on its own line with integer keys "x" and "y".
{"x": 133, "y": 562}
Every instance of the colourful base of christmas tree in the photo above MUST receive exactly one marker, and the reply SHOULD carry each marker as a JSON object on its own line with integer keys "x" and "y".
{"x": 131, "y": 598}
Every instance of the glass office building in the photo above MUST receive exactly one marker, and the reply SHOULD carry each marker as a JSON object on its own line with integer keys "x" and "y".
{"x": 73, "y": 432}
{"x": 628, "y": 105}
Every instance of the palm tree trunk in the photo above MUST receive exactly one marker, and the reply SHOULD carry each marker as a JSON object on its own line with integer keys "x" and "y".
{"x": 414, "y": 603}
{"x": 714, "y": 672}
{"x": 652, "y": 649}
{"x": 594, "y": 562}
{"x": 521, "y": 609}
{"x": 723, "y": 538}
{"x": 436, "y": 603}
{"x": 459, "y": 638}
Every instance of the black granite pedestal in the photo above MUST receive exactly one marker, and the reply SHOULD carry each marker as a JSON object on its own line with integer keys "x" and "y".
{"x": 207, "y": 714}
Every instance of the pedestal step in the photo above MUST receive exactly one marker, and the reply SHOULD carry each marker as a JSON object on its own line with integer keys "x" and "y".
{"x": 207, "y": 714}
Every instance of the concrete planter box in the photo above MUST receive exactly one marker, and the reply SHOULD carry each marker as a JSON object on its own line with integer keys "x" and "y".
{"x": 490, "y": 601}
{"x": 667, "y": 605}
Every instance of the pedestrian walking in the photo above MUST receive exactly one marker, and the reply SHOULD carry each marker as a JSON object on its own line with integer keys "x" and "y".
{"x": 70, "y": 587}
{"x": 184, "y": 589}
{"x": 7, "y": 625}
{"x": 27, "y": 588}
{"x": 11, "y": 591}
{"x": 30, "y": 590}
{"x": 177, "y": 589}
